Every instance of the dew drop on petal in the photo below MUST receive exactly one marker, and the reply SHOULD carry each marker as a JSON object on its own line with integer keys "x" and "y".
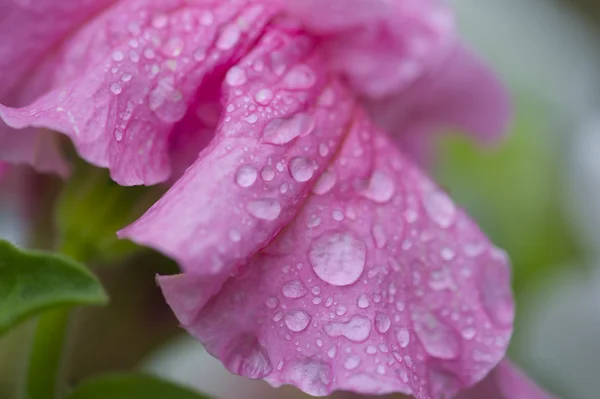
{"x": 115, "y": 88}
{"x": 380, "y": 189}
{"x": 236, "y": 76}
{"x": 357, "y": 329}
{"x": 438, "y": 339}
{"x": 403, "y": 337}
{"x": 246, "y": 176}
{"x": 229, "y": 37}
{"x": 352, "y": 362}
{"x": 338, "y": 258}
{"x": 301, "y": 169}
{"x": 439, "y": 207}
{"x": 294, "y": 289}
{"x": 382, "y": 323}
{"x": 283, "y": 130}
{"x": 325, "y": 183}
{"x": 265, "y": 209}
{"x": 264, "y": 96}
{"x": 363, "y": 301}
{"x": 297, "y": 320}
{"x": 310, "y": 375}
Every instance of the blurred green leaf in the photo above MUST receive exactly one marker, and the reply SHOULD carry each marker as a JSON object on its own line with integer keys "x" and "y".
{"x": 92, "y": 208}
{"x": 31, "y": 282}
{"x": 131, "y": 386}
{"x": 513, "y": 191}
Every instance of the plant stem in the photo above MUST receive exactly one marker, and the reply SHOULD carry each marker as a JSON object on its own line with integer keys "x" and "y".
{"x": 45, "y": 360}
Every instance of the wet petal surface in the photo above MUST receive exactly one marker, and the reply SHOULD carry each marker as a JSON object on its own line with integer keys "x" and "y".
{"x": 380, "y": 284}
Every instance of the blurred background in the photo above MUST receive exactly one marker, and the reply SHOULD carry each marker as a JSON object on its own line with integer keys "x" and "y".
{"x": 537, "y": 195}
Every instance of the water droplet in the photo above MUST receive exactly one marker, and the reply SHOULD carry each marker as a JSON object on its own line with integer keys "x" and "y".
{"x": 166, "y": 101}
{"x": 160, "y": 21}
{"x": 300, "y": 77}
{"x": 363, "y": 301}
{"x": 447, "y": 254}
{"x": 235, "y": 235}
{"x": 294, "y": 289}
{"x": 382, "y": 323}
{"x": 403, "y": 337}
{"x": 381, "y": 188}
{"x": 264, "y": 96}
{"x": 265, "y": 209}
{"x": 323, "y": 150}
{"x": 297, "y": 320}
{"x": 272, "y": 302}
{"x": 338, "y": 258}
{"x": 439, "y": 207}
{"x": 325, "y": 183}
{"x": 246, "y": 176}
{"x": 301, "y": 169}
{"x": 173, "y": 47}
{"x": 267, "y": 174}
{"x": 246, "y": 357}
{"x": 252, "y": 118}
{"x": 115, "y": 88}
{"x": 229, "y": 37}
{"x": 283, "y": 130}
{"x": 236, "y": 76}
{"x": 438, "y": 339}
{"x": 352, "y": 362}
{"x": 357, "y": 329}
{"x": 379, "y": 235}
{"x": 118, "y": 56}
{"x": 468, "y": 333}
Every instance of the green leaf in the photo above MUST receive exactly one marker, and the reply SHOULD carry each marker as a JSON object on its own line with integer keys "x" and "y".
{"x": 32, "y": 282}
{"x": 131, "y": 386}
{"x": 92, "y": 208}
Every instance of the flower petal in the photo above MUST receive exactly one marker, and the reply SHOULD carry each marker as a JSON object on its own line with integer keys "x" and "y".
{"x": 380, "y": 284}
{"x": 381, "y": 46}
{"x": 462, "y": 94}
{"x": 505, "y": 382}
{"x": 124, "y": 80}
{"x": 281, "y": 126}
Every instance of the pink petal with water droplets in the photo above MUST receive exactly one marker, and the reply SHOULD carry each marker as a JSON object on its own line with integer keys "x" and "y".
{"x": 505, "y": 382}
{"x": 122, "y": 82}
{"x": 378, "y": 285}
{"x": 462, "y": 94}
{"x": 380, "y": 46}
{"x": 281, "y": 125}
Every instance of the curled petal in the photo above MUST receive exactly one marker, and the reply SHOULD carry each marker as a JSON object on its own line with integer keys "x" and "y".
{"x": 281, "y": 126}
{"x": 505, "y": 382}
{"x": 380, "y": 46}
{"x": 462, "y": 94}
{"x": 379, "y": 284}
{"x": 123, "y": 82}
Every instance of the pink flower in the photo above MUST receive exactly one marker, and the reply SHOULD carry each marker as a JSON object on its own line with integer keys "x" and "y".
{"x": 314, "y": 252}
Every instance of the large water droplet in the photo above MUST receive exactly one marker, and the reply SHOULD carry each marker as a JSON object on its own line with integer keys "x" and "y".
{"x": 265, "y": 209}
{"x": 294, "y": 289}
{"x": 382, "y": 323}
{"x": 403, "y": 337}
{"x": 236, "y": 76}
{"x": 264, "y": 96}
{"x": 301, "y": 169}
{"x": 325, "y": 183}
{"x": 246, "y": 357}
{"x": 283, "y": 130}
{"x": 300, "y": 77}
{"x": 166, "y": 101}
{"x": 297, "y": 320}
{"x": 229, "y": 37}
{"x": 363, "y": 301}
{"x": 246, "y": 176}
{"x": 357, "y": 329}
{"x": 381, "y": 188}
{"x": 338, "y": 258}
{"x": 352, "y": 362}
{"x": 439, "y": 207}
{"x": 115, "y": 88}
{"x": 438, "y": 339}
